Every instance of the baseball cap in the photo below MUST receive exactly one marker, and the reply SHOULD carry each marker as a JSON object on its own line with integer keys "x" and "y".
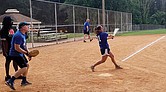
{"x": 22, "y": 24}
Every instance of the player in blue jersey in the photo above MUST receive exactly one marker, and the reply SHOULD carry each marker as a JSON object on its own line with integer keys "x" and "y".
{"x": 104, "y": 47}
{"x": 87, "y": 30}
{"x": 17, "y": 51}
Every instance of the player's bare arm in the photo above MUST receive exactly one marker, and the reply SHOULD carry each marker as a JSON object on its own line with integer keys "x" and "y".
{"x": 87, "y": 28}
{"x": 19, "y": 49}
{"x": 110, "y": 36}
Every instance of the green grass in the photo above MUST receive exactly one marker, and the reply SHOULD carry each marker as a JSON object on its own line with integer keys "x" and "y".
{"x": 72, "y": 35}
{"x": 144, "y": 32}
{"x": 140, "y": 32}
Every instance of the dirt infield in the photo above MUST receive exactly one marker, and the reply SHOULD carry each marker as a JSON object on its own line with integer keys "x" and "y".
{"x": 65, "y": 67}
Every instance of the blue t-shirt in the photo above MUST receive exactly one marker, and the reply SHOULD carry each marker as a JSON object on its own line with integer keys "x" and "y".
{"x": 18, "y": 38}
{"x": 102, "y": 38}
{"x": 85, "y": 25}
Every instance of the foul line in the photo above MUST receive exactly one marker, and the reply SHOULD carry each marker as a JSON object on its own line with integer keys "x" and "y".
{"x": 143, "y": 48}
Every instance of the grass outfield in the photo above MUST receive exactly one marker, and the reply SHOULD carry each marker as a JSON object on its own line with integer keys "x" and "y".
{"x": 144, "y": 32}
{"x": 138, "y": 32}
{"x": 72, "y": 35}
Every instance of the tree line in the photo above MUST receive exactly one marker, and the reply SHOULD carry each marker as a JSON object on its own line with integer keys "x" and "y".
{"x": 143, "y": 11}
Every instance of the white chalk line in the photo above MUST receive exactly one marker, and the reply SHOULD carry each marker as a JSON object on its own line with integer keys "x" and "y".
{"x": 143, "y": 48}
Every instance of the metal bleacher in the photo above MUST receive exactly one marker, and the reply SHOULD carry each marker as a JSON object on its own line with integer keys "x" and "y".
{"x": 46, "y": 34}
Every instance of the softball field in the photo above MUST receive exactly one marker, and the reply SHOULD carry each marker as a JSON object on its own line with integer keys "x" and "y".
{"x": 66, "y": 67}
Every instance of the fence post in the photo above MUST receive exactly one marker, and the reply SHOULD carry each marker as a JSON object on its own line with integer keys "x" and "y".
{"x": 131, "y": 25}
{"x": 74, "y": 23}
{"x": 126, "y": 21}
{"x": 56, "y": 29}
{"x": 103, "y": 13}
{"x": 32, "y": 41}
{"x": 121, "y": 24}
{"x": 87, "y": 13}
{"x": 107, "y": 23}
{"x": 115, "y": 18}
{"x": 98, "y": 16}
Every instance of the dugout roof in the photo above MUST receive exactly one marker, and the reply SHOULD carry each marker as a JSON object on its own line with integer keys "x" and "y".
{"x": 17, "y": 17}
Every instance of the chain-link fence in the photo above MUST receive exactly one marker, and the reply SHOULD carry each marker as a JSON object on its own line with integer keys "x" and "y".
{"x": 58, "y": 22}
{"x": 64, "y": 22}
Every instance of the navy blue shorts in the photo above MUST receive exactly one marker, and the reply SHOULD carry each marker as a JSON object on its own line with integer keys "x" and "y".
{"x": 105, "y": 51}
{"x": 21, "y": 61}
{"x": 85, "y": 32}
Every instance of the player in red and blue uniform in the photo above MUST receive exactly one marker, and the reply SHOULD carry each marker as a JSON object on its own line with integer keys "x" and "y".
{"x": 104, "y": 47}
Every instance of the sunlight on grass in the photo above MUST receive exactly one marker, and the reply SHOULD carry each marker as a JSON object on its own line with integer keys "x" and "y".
{"x": 144, "y": 32}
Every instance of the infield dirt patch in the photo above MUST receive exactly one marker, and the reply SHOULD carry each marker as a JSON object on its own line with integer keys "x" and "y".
{"x": 66, "y": 67}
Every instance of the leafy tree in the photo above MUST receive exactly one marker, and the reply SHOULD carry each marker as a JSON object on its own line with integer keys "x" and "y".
{"x": 143, "y": 11}
{"x": 158, "y": 18}
{"x": 21, "y": 5}
{"x": 144, "y": 8}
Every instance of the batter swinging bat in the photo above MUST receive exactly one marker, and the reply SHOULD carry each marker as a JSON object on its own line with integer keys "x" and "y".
{"x": 115, "y": 31}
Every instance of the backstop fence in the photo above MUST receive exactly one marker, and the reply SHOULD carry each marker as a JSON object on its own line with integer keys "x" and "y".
{"x": 64, "y": 22}
{"x": 71, "y": 17}
{"x": 60, "y": 21}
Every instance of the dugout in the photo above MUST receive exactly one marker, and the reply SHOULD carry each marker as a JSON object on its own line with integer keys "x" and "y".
{"x": 17, "y": 18}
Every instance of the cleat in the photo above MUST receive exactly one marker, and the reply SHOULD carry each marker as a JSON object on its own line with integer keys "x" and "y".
{"x": 118, "y": 67}
{"x": 10, "y": 84}
{"x": 91, "y": 40}
{"x": 7, "y": 77}
{"x": 84, "y": 41}
{"x": 25, "y": 83}
{"x": 92, "y": 68}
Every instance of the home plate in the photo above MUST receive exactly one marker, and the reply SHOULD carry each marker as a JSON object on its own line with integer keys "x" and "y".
{"x": 105, "y": 74}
